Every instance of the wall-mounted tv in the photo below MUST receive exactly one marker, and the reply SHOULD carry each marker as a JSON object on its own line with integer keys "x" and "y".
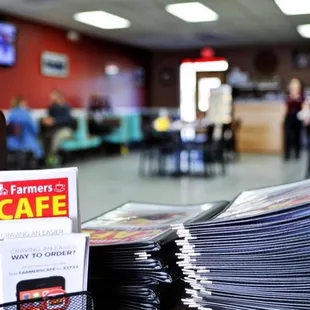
{"x": 301, "y": 58}
{"x": 8, "y": 34}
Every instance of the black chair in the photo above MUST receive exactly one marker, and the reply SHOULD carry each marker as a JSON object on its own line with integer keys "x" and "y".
{"x": 202, "y": 145}
{"x": 156, "y": 148}
{"x": 19, "y": 160}
{"x": 213, "y": 151}
{"x": 217, "y": 151}
{"x": 170, "y": 145}
{"x": 22, "y": 161}
{"x": 149, "y": 154}
{"x": 230, "y": 132}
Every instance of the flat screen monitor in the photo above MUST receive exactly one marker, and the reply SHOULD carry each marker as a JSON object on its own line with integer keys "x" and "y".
{"x": 7, "y": 44}
{"x": 301, "y": 58}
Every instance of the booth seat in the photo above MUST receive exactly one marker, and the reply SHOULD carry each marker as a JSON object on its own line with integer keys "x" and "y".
{"x": 81, "y": 139}
{"x": 128, "y": 132}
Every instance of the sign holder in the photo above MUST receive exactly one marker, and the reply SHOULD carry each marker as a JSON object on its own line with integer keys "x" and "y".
{"x": 3, "y": 148}
{"x": 76, "y": 301}
{"x": 73, "y": 301}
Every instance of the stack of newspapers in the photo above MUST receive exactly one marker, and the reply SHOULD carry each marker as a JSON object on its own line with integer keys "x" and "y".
{"x": 253, "y": 256}
{"x": 132, "y": 256}
{"x": 42, "y": 252}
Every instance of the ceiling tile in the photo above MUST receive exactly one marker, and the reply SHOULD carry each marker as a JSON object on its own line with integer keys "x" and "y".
{"x": 240, "y": 21}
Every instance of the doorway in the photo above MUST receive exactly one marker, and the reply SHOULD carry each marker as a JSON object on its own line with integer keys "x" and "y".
{"x": 205, "y": 82}
{"x": 189, "y": 87}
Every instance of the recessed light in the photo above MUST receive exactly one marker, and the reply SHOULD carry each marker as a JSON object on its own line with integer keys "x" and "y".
{"x": 294, "y": 7}
{"x": 304, "y": 30}
{"x": 192, "y": 12}
{"x": 111, "y": 70}
{"x": 101, "y": 19}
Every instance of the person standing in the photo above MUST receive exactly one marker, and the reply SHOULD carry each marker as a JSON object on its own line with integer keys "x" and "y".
{"x": 292, "y": 125}
{"x": 57, "y": 126}
{"x": 304, "y": 116}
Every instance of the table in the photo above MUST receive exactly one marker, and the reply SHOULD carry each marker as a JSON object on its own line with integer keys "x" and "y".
{"x": 174, "y": 135}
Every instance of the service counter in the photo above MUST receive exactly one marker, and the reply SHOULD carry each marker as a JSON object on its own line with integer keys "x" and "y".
{"x": 261, "y": 128}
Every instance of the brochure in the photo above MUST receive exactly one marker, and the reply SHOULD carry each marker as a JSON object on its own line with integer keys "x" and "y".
{"x": 101, "y": 236}
{"x": 39, "y": 194}
{"x": 148, "y": 215}
{"x": 45, "y": 266}
{"x": 271, "y": 199}
{"x": 136, "y": 222}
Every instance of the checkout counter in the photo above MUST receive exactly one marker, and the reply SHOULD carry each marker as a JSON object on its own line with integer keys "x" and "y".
{"x": 261, "y": 129}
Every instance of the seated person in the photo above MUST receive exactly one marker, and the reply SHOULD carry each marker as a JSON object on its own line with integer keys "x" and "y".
{"x": 163, "y": 122}
{"x": 99, "y": 104}
{"x": 98, "y": 124}
{"x": 57, "y": 127}
{"x": 26, "y": 139}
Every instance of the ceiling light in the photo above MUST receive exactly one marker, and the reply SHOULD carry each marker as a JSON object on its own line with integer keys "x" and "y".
{"x": 192, "y": 12}
{"x": 111, "y": 70}
{"x": 294, "y": 7}
{"x": 101, "y": 19}
{"x": 304, "y": 30}
{"x": 211, "y": 66}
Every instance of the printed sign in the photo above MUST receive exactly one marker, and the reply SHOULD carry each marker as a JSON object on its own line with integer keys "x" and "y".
{"x": 54, "y": 64}
{"x": 39, "y": 194}
{"x": 34, "y": 199}
{"x": 42, "y": 267}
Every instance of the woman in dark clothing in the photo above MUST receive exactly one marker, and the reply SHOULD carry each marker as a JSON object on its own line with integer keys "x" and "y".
{"x": 304, "y": 116}
{"x": 292, "y": 125}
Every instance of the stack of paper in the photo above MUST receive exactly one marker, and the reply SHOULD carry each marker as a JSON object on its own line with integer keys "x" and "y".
{"x": 253, "y": 256}
{"x": 132, "y": 255}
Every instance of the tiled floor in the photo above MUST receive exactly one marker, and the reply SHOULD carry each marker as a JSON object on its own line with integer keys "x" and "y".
{"x": 108, "y": 182}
